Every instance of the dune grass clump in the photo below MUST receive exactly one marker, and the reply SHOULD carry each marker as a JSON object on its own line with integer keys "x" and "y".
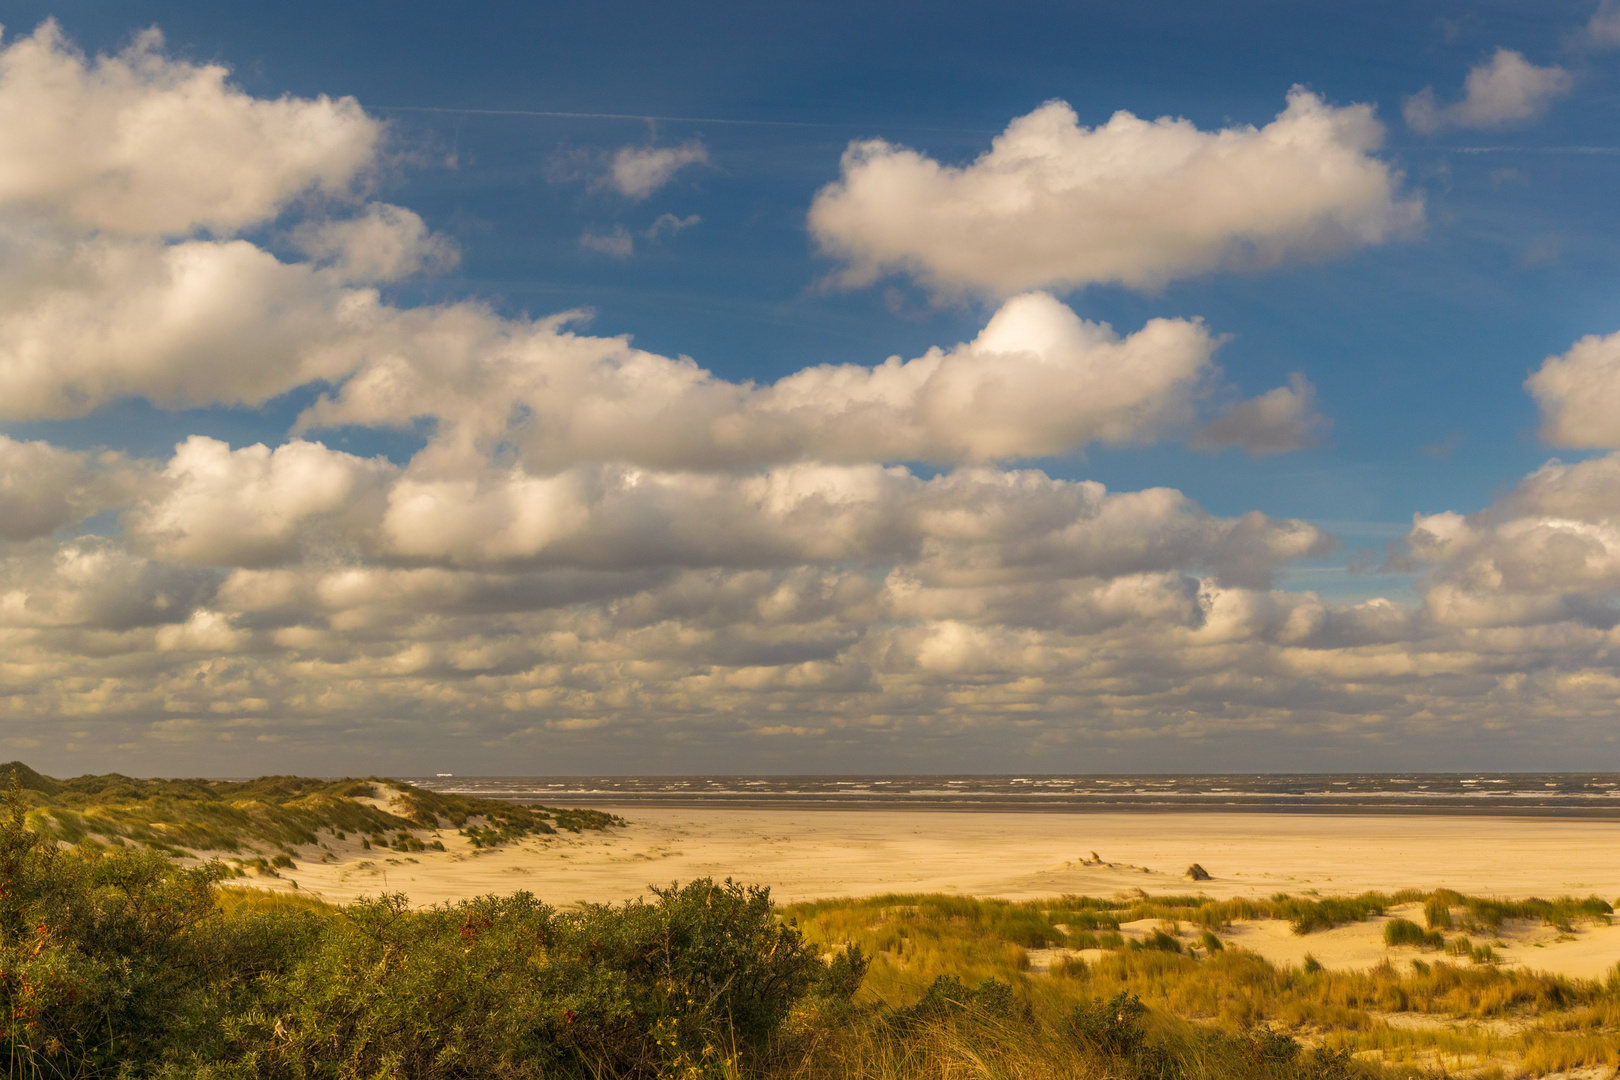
{"x": 1563, "y": 913}
{"x": 1398, "y": 932}
{"x": 1159, "y": 940}
{"x": 1461, "y": 947}
{"x": 1309, "y": 915}
{"x": 1437, "y": 909}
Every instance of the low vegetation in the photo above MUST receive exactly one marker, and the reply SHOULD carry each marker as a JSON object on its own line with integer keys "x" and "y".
{"x": 273, "y": 813}
{"x": 1086, "y": 922}
{"x": 117, "y": 961}
{"x": 1406, "y": 932}
{"x": 1457, "y": 1012}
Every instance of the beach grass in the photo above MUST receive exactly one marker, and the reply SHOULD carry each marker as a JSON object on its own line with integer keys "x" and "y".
{"x": 276, "y": 816}
{"x": 1457, "y": 1015}
{"x": 119, "y": 960}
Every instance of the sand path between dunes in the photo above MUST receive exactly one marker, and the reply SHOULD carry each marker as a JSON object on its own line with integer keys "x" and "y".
{"x": 808, "y": 853}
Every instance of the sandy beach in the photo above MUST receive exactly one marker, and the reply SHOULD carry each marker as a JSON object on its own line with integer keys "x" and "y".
{"x": 806, "y": 854}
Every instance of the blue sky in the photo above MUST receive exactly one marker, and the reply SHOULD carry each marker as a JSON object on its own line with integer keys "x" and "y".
{"x": 498, "y": 127}
{"x": 1412, "y": 345}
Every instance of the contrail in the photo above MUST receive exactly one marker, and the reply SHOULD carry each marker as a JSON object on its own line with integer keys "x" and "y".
{"x": 1591, "y": 150}
{"x": 547, "y": 114}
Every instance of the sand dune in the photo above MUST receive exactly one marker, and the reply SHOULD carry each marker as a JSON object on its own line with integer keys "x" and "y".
{"x": 1590, "y": 951}
{"x": 804, "y": 854}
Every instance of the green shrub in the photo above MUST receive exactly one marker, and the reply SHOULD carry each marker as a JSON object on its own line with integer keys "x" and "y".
{"x": 844, "y": 973}
{"x": 1113, "y": 1027}
{"x": 947, "y": 997}
{"x": 118, "y": 963}
{"x": 105, "y": 957}
{"x": 700, "y": 971}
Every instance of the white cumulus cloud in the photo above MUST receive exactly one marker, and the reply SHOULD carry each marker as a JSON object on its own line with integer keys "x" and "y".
{"x": 1054, "y": 204}
{"x": 1038, "y": 380}
{"x": 121, "y": 180}
{"x": 1579, "y": 393}
{"x": 1546, "y": 553}
{"x": 602, "y": 547}
{"x": 669, "y": 223}
{"x": 189, "y": 323}
{"x": 43, "y": 487}
{"x": 255, "y": 505}
{"x": 638, "y": 171}
{"x": 145, "y": 145}
{"x": 383, "y": 243}
{"x": 1502, "y": 90}
{"x": 973, "y": 526}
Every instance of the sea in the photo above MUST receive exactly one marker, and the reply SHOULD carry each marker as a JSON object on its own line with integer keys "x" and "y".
{"x": 1529, "y": 794}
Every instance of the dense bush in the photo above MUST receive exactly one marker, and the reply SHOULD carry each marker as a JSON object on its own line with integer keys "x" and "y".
{"x": 103, "y": 960}
{"x": 511, "y": 987}
{"x": 1113, "y": 1027}
{"x": 119, "y": 963}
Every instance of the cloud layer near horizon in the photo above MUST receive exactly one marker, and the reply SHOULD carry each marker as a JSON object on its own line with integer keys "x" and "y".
{"x": 854, "y": 564}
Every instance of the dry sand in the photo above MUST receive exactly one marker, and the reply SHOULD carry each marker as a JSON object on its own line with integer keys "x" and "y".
{"x": 809, "y": 853}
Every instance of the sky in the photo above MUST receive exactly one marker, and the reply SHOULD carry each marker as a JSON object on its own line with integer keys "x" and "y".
{"x": 714, "y": 388}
